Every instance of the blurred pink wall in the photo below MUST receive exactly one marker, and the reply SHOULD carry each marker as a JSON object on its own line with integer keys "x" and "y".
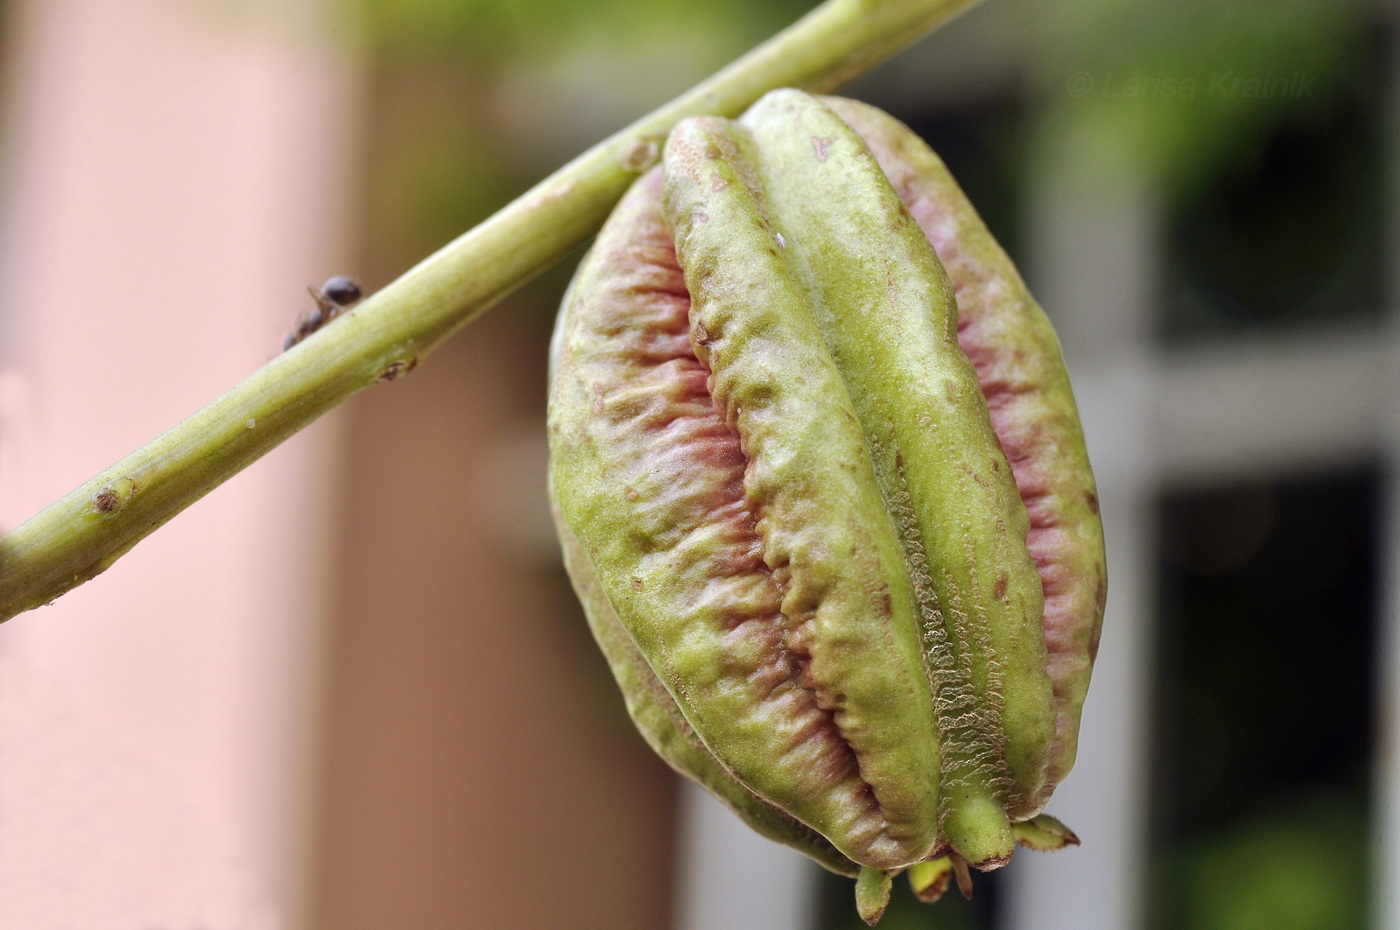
{"x": 172, "y": 179}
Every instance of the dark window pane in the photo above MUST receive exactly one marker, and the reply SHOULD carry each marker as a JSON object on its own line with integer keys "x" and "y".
{"x": 1289, "y": 232}
{"x": 1264, "y": 705}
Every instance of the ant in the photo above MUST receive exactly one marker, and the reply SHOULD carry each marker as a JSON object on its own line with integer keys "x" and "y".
{"x": 337, "y": 294}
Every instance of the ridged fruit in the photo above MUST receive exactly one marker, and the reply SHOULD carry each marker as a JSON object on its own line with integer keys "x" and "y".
{"x": 826, "y": 503}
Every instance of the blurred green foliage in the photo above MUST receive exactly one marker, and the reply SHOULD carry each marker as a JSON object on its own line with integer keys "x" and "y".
{"x": 500, "y": 29}
{"x": 479, "y": 98}
{"x": 1297, "y": 869}
{"x": 471, "y": 101}
{"x": 1258, "y": 126}
{"x": 1170, "y": 92}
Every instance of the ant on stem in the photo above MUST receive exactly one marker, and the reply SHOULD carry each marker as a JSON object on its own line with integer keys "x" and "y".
{"x": 337, "y": 294}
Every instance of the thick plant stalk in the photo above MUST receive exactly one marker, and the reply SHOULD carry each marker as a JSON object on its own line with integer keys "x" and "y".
{"x": 82, "y": 534}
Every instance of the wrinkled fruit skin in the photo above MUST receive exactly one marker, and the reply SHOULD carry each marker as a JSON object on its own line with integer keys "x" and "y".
{"x": 822, "y": 489}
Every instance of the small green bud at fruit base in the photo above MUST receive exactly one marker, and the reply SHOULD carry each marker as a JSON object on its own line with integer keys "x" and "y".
{"x": 873, "y": 894}
{"x": 1044, "y": 834}
{"x": 928, "y": 880}
{"x": 823, "y": 492}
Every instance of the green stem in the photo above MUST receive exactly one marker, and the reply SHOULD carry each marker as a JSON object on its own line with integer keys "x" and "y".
{"x": 80, "y": 535}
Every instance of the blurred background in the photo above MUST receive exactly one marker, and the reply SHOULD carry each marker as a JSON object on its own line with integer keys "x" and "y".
{"x": 351, "y": 688}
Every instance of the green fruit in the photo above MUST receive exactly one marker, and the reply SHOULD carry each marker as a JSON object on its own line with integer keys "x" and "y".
{"x": 786, "y": 508}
